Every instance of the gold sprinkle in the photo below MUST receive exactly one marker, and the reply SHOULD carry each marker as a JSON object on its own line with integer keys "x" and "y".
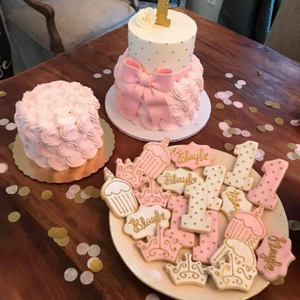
{"x": 89, "y": 190}
{"x": 220, "y": 106}
{"x": 46, "y": 195}
{"x": 261, "y": 128}
{"x": 296, "y": 156}
{"x": 232, "y": 130}
{"x": 229, "y": 122}
{"x": 279, "y": 121}
{"x": 62, "y": 242}
{"x": 2, "y": 94}
{"x": 292, "y": 146}
{"x": 24, "y": 191}
{"x": 95, "y": 265}
{"x": 96, "y": 194}
{"x": 52, "y": 231}
{"x": 253, "y": 109}
{"x": 276, "y": 105}
{"x": 260, "y": 73}
{"x": 61, "y": 233}
{"x": 269, "y": 103}
{"x": 228, "y": 146}
{"x": 14, "y": 216}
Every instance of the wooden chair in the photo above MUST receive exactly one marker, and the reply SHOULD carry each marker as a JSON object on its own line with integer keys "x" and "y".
{"x": 38, "y": 30}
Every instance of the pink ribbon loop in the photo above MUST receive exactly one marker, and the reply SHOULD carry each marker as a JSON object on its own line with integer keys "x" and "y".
{"x": 151, "y": 88}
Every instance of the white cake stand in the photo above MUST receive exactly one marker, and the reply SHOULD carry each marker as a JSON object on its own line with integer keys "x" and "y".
{"x": 142, "y": 134}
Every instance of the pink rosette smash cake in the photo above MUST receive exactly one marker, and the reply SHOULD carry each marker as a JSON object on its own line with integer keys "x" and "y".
{"x": 158, "y": 80}
{"x": 58, "y": 123}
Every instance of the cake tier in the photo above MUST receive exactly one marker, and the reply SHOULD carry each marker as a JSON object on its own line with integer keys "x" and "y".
{"x": 182, "y": 101}
{"x": 160, "y": 47}
{"x": 58, "y": 123}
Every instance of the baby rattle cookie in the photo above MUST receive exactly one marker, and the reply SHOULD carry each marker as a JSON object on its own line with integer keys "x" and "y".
{"x": 274, "y": 256}
{"x": 192, "y": 156}
{"x": 143, "y": 222}
{"x": 239, "y": 177}
{"x": 179, "y": 207}
{"x": 265, "y": 193}
{"x": 187, "y": 272}
{"x": 118, "y": 195}
{"x": 233, "y": 201}
{"x": 159, "y": 247}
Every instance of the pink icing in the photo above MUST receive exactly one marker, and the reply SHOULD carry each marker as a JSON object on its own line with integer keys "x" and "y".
{"x": 274, "y": 256}
{"x": 208, "y": 241}
{"x": 179, "y": 207}
{"x": 192, "y": 156}
{"x": 58, "y": 123}
{"x": 183, "y": 100}
{"x": 246, "y": 225}
{"x": 265, "y": 193}
{"x": 152, "y": 195}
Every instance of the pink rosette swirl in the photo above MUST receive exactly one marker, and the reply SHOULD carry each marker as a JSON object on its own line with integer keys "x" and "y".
{"x": 66, "y": 149}
{"x": 58, "y": 163}
{"x": 76, "y": 160}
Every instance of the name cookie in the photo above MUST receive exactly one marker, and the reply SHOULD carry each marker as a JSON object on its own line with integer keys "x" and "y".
{"x": 192, "y": 156}
{"x": 118, "y": 195}
{"x": 265, "y": 193}
{"x": 234, "y": 200}
{"x": 143, "y": 222}
{"x": 274, "y": 256}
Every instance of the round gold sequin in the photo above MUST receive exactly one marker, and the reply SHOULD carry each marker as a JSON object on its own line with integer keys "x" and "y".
{"x": 219, "y": 106}
{"x": 292, "y": 146}
{"x": 228, "y": 146}
{"x": 61, "y": 233}
{"x": 14, "y": 216}
{"x": 232, "y": 130}
{"x": 46, "y": 195}
{"x": 24, "y": 191}
{"x": 269, "y": 103}
{"x": 279, "y": 121}
{"x": 296, "y": 156}
{"x": 95, "y": 264}
{"x": 276, "y": 105}
{"x": 62, "y": 242}
{"x": 52, "y": 232}
{"x": 253, "y": 109}
{"x": 89, "y": 190}
{"x": 2, "y": 94}
{"x": 229, "y": 122}
{"x": 96, "y": 194}
{"x": 261, "y": 128}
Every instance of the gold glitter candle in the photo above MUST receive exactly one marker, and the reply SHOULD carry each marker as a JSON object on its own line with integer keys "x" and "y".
{"x": 162, "y": 13}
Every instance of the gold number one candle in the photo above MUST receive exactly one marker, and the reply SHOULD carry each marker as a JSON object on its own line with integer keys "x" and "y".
{"x": 162, "y": 13}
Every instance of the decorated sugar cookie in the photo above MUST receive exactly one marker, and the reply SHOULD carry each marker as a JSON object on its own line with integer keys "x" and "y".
{"x": 196, "y": 220}
{"x": 265, "y": 193}
{"x": 192, "y": 156}
{"x": 118, "y": 195}
{"x": 243, "y": 252}
{"x": 239, "y": 177}
{"x": 159, "y": 247}
{"x": 232, "y": 274}
{"x": 187, "y": 272}
{"x": 143, "y": 222}
{"x": 233, "y": 201}
{"x": 179, "y": 207}
{"x": 131, "y": 172}
{"x": 208, "y": 241}
{"x": 155, "y": 158}
{"x": 177, "y": 180}
{"x": 274, "y": 256}
{"x": 245, "y": 225}
{"x": 214, "y": 180}
{"x": 152, "y": 195}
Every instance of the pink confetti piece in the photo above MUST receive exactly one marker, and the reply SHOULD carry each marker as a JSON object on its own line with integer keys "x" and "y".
{"x": 228, "y": 75}
{"x": 261, "y": 152}
{"x": 97, "y": 75}
{"x": 238, "y": 86}
{"x": 107, "y": 71}
{"x": 227, "y": 134}
{"x": 238, "y": 104}
{"x": 223, "y": 126}
{"x": 238, "y": 131}
{"x": 217, "y": 96}
{"x": 227, "y": 102}
{"x": 229, "y": 93}
{"x": 222, "y": 95}
{"x": 269, "y": 127}
{"x": 11, "y": 126}
{"x": 241, "y": 82}
{"x": 295, "y": 122}
{"x": 298, "y": 146}
{"x": 246, "y": 133}
{"x": 261, "y": 158}
{"x": 290, "y": 156}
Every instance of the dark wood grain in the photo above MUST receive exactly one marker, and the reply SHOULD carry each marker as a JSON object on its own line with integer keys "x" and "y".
{"x": 32, "y": 265}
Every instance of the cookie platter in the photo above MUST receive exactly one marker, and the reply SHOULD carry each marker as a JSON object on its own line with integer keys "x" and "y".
{"x": 173, "y": 275}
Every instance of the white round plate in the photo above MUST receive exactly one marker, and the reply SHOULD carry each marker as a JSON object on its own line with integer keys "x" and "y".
{"x": 142, "y": 134}
{"x": 153, "y": 273}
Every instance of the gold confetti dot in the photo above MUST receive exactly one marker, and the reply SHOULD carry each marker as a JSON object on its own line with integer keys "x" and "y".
{"x": 232, "y": 130}
{"x": 11, "y": 146}
{"x": 24, "y": 191}
{"x": 261, "y": 128}
{"x": 279, "y": 121}
{"x": 61, "y": 233}
{"x": 89, "y": 190}
{"x": 52, "y": 231}
{"x": 276, "y": 105}
{"x": 96, "y": 194}
{"x": 219, "y": 106}
{"x": 260, "y": 73}
{"x": 46, "y": 195}
{"x": 229, "y": 122}
{"x": 228, "y": 146}
{"x": 269, "y": 103}
{"x": 95, "y": 264}
{"x": 2, "y": 94}
{"x": 63, "y": 241}
{"x": 14, "y": 216}
{"x": 253, "y": 109}
{"x": 292, "y": 146}
{"x": 296, "y": 156}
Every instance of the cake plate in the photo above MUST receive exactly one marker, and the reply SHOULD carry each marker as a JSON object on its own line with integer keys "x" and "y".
{"x": 31, "y": 169}
{"x": 153, "y": 273}
{"x": 143, "y": 134}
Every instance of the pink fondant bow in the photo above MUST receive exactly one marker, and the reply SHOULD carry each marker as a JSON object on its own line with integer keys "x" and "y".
{"x": 140, "y": 85}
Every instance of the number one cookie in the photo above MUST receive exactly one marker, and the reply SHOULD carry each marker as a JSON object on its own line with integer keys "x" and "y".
{"x": 162, "y": 13}
{"x": 239, "y": 177}
{"x": 265, "y": 193}
{"x": 214, "y": 180}
{"x": 195, "y": 220}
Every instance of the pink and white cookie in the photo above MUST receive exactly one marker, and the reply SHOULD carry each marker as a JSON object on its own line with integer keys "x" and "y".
{"x": 208, "y": 241}
{"x": 274, "y": 256}
{"x": 245, "y": 225}
{"x": 152, "y": 195}
{"x": 179, "y": 207}
{"x": 192, "y": 156}
{"x": 159, "y": 247}
{"x": 265, "y": 193}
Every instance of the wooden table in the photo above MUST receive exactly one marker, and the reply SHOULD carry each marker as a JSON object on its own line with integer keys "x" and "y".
{"x": 32, "y": 265}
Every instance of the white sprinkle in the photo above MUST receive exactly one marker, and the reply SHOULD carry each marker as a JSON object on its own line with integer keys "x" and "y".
{"x": 245, "y": 133}
{"x": 217, "y": 96}
{"x": 70, "y": 195}
{"x": 70, "y": 274}
{"x": 86, "y": 277}
{"x": 75, "y": 188}
{"x": 228, "y": 75}
{"x": 269, "y": 127}
{"x": 11, "y": 126}
{"x": 295, "y": 122}
{"x": 261, "y": 152}
{"x": 84, "y": 195}
{"x": 11, "y": 189}
{"x": 94, "y": 250}
{"x": 227, "y": 102}
{"x": 260, "y": 158}
{"x": 3, "y": 167}
{"x": 241, "y": 82}
{"x": 227, "y": 134}
{"x": 238, "y": 86}
{"x": 82, "y": 248}
{"x": 107, "y": 71}
{"x": 238, "y": 131}
{"x": 3, "y": 122}
{"x": 238, "y": 104}
{"x": 223, "y": 95}
{"x": 229, "y": 93}
{"x": 223, "y": 126}
{"x": 152, "y": 296}
{"x": 97, "y": 75}
{"x": 290, "y": 156}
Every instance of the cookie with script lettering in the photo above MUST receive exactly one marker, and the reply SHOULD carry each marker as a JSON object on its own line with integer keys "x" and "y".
{"x": 274, "y": 256}
{"x": 144, "y": 221}
{"x": 177, "y": 180}
{"x": 192, "y": 156}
